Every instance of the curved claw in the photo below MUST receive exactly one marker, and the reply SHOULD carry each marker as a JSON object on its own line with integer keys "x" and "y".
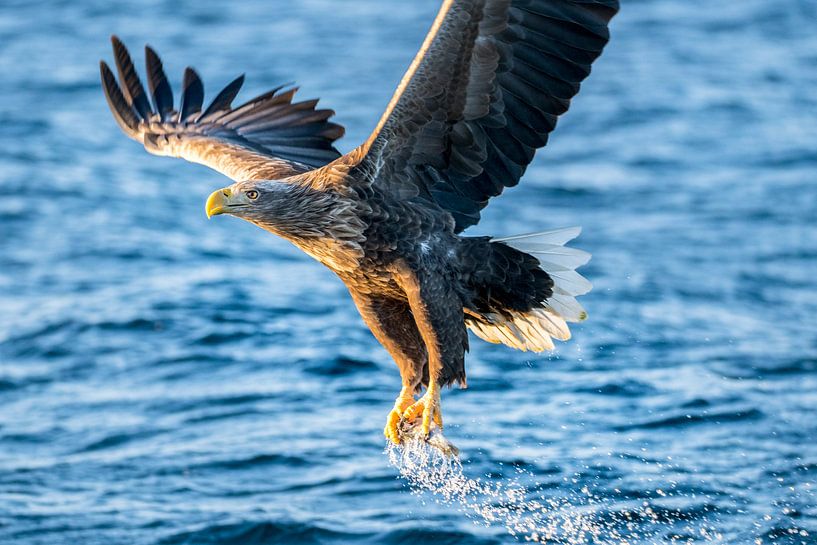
{"x": 395, "y": 418}
{"x": 429, "y": 407}
{"x": 392, "y": 429}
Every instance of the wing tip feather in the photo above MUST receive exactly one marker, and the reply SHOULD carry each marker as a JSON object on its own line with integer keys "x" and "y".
{"x": 224, "y": 98}
{"x": 158, "y": 84}
{"x": 192, "y": 94}
{"x": 123, "y": 112}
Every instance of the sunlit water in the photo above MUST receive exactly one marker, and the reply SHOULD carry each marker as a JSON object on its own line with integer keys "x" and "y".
{"x": 169, "y": 380}
{"x": 578, "y": 516}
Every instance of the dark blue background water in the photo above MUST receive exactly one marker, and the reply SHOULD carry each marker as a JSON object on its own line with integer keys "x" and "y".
{"x": 164, "y": 379}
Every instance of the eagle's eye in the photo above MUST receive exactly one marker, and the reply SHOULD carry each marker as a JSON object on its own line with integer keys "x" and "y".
{"x": 252, "y": 194}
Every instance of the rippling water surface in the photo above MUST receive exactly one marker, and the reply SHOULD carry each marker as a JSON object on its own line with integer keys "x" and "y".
{"x": 168, "y": 380}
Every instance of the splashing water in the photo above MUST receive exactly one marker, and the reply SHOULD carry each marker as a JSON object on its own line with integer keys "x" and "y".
{"x": 580, "y": 518}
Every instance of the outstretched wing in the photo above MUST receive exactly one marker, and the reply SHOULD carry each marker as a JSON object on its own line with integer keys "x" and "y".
{"x": 269, "y": 137}
{"x": 482, "y": 95}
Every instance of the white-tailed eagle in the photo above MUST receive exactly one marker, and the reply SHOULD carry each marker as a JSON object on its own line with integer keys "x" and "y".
{"x": 482, "y": 95}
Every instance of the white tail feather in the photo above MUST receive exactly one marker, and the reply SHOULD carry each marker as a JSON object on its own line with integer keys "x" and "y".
{"x": 569, "y": 282}
{"x": 560, "y": 237}
{"x": 559, "y": 256}
{"x": 535, "y": 330}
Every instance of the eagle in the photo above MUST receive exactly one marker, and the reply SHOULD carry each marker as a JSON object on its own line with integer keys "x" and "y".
{"x": 481, "y": 96}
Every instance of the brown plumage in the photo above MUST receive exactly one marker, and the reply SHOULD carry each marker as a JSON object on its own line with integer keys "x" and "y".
{"x": 482, "y": 95}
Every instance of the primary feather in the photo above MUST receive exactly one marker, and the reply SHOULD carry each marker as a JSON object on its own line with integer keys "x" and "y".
{"x": 268, "y": 137}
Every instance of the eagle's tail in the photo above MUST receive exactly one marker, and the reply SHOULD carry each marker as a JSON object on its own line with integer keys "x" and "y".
{"x": 525, "y": 289}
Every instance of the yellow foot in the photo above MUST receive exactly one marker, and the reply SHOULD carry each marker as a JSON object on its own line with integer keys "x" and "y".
{"x": 392, "y": 429}
{"x": 429, "y": 407}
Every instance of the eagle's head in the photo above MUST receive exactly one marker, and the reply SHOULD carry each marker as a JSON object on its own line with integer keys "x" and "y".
{"x": 322, "y": 222}
{"x": 274, "y": 205}
{"x": 250, "y": 200}
{"x": 283, "y": 207}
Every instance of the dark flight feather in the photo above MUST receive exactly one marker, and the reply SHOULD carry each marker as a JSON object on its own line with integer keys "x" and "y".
{"x": 224, "y": 99}
{"x": 192, "y": 94}
{"x": 256, "y": 107}
{"x": 122, "y": 111}
{"x": 132, "y": 88}
{"x": 158, "y": 84}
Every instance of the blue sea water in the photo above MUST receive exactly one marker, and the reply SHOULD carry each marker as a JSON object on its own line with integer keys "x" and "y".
{"x": 168, "y": 380}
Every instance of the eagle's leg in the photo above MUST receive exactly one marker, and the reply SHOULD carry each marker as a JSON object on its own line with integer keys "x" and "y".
{"x": 437, "y": 312}
{"x": 391, "y": 323}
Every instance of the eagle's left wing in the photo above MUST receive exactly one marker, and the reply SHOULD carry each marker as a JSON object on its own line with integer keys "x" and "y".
{"x": 267, "y": 138}
{"x": 481, "y": 97}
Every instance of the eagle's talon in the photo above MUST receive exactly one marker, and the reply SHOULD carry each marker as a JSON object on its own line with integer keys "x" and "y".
{"x": 392, "y": 429}
{"x": 395, "y": 418}
{"x": 429, "y": 407}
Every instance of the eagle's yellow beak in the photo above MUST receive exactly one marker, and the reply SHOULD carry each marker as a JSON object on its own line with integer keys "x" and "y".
{"x": 217, "y": 202}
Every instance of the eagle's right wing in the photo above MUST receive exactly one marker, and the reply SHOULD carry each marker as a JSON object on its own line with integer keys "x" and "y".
{"x": 267, "y": 138}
